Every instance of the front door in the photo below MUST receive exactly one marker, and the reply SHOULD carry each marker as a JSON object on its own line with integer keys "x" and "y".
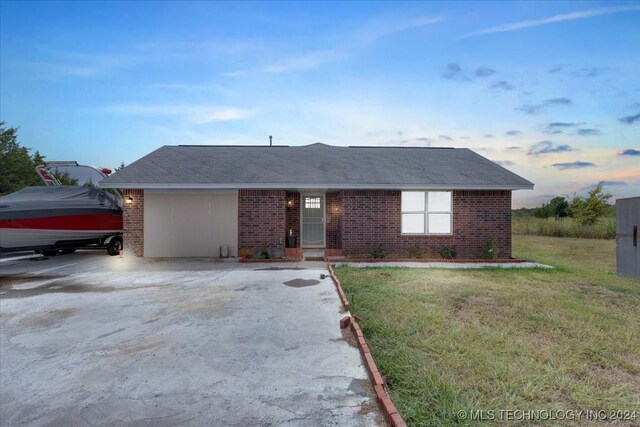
{"x": 313, "y": 223}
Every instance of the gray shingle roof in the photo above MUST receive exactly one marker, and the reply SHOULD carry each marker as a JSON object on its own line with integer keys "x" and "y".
{"x": 314, "y": 166}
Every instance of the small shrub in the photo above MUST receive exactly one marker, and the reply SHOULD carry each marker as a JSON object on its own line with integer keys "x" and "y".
{"x": 491, "y": 250}
{"x": 263, "y": 254}
{"x": 417, "y": 252}
{"x": 447, "y": 252}
{"x": 378, "y": 252}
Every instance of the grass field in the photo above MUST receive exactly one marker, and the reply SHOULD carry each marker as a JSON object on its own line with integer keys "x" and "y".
{"x": 605, "y": 228}
{"x": 451, "y": 340}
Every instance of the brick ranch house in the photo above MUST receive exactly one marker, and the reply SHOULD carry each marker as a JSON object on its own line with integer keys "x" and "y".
{"x": 187, "y": 201}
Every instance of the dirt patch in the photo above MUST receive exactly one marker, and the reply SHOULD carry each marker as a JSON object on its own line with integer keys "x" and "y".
{"x": 205, "y": 304}
{"x": 49, "y": 317}
{"x": 613, "y": 377}
{"x": 371, "y": 405}
{"x": 145, "y": 344}
{"x": 347, "y": 335}
{"x": 301, "y": 283}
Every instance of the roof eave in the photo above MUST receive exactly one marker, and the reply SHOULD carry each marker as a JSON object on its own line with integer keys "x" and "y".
{"x": 213, "y": 186}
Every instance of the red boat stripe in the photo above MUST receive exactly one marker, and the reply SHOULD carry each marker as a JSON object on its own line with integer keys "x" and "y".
{"x": 67, "y": 222}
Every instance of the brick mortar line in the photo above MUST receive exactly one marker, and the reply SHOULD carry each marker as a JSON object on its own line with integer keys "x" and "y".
{"x": 388, "y": 407}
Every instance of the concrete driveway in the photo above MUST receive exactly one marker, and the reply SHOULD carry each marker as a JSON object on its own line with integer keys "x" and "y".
{"x": 88, "y": 339}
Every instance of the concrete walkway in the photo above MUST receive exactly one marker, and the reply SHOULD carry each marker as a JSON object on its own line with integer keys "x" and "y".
{"x": 88, "y": 339}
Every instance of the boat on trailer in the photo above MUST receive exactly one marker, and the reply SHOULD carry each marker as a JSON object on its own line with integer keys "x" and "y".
{"x": 61, "y": 218}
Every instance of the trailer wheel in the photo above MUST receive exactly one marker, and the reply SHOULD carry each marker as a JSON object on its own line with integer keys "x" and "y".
{"x": 50, "y": 252}
{"x": 67, "y": 251}
{"x": 115, "y": 246}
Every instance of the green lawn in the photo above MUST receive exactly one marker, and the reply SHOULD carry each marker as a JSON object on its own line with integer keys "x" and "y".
{"x": 491, "y": 339}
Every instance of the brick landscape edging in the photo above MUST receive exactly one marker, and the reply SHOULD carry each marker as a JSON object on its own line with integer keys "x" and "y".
{"x": 341, "y": 294}
{"x": 389, "y": 409}
{"x": 428, "y": 260}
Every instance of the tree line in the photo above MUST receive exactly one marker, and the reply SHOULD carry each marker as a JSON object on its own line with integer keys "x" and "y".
{"x": 18, "y": 164}
{"x": 584, "y": 209}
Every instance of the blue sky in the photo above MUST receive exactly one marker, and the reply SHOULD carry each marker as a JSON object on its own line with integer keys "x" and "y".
{"x": 550, "y": 90}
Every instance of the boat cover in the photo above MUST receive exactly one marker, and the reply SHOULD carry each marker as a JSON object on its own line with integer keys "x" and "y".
{"x": 34, "y": 202}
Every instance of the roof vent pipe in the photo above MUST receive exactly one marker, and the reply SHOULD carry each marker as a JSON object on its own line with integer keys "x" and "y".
{"x": 270, "y": 141}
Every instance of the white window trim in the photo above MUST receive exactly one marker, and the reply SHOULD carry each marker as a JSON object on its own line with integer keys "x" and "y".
{"x": 426, "y": 213}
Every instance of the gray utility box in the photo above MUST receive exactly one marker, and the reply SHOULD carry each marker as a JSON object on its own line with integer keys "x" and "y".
{"x": 224, "y": 251}
{"x": 627, "y": 249}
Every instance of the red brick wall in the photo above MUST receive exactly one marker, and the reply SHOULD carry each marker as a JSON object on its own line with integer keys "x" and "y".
{"x": 478, "y": 216}
{"x": 373, "y": 217}
{"x": 293, "y": 214}
{"x": 334, "y": 221}
{"x": 133, "y": 222}
{"x": 262, "y": 220}
{"x": 357, "y": 221}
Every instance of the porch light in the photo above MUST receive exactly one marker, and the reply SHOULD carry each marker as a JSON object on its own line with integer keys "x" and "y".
{"x": 289, "y": 203}
{"x": 128, "y": 200}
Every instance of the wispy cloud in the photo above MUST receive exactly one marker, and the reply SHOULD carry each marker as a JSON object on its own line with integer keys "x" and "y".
{"x": 605, "y": 184}
{"x": 512, "y": 133}
{"x": 547, "y": 147}
{"x": 484, "y": 71}
{"x": 629, "y": 120}
{"x": 583, "y": 14}
{"x": 84, "y": 65}
{"x": 538, "y": 108}
{"x": 557, "y": 68}
{"x": 197, "y": 114}
{"x": 558, "y": 101}
{"x": 573, "y": 165}
{"x": 454, "y": 72}
{"x": 446, "y": 137}
{"x": 629, "y": 152}
{"x": 376, "y": 30}
{"x": 558, "y": 127}
{"x": 416, "y": 142}
{"x": 503, "y": 163}
{"x": 502, "y": 84}
{"x": 588, "y": 72}
{"x": 188, "y": 87}
{"x": 530, "y": 109}
{"x": 305, "y": 61}
{"x": 368, "y": 35}
{"x": 589, "y": 132}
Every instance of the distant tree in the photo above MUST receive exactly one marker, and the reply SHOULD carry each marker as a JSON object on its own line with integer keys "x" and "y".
{"x": 38, "y": 158}
{"x": 64, "y": 177}
{"x": 559, "y": 207}
{"x": 119, "y": 168}
{"x": 588, "y": 209}
{"x": 544, "y": 211}
{"x": 17, "y": 166}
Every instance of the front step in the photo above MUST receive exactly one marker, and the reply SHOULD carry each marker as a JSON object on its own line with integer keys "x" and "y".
{"x": 313, "y": 254}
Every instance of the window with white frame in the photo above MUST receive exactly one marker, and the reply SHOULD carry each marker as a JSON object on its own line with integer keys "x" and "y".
{"x": 426, "y": 212}
{"x": 312, "y": 202}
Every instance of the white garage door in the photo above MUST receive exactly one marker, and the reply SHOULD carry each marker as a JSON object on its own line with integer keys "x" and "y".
{"x": 182, "y": 224}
